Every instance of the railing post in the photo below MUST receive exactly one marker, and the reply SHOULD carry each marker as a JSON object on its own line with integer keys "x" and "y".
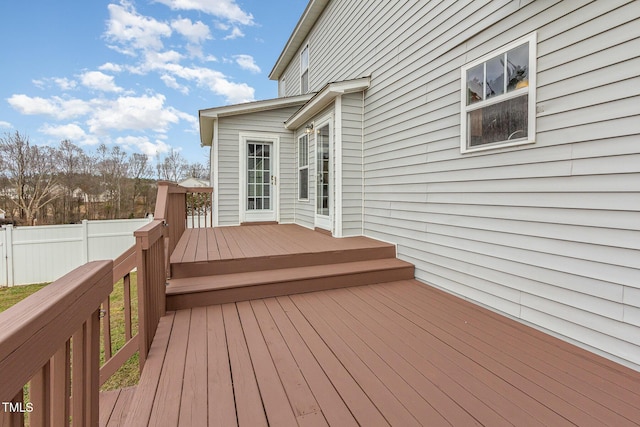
{"x": 85, "y": 240}
{"x": 150, "y": 250}
{"x": 9, "y": 253}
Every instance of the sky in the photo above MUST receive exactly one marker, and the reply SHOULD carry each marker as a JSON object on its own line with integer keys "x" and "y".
{"x": 135, "y": 73}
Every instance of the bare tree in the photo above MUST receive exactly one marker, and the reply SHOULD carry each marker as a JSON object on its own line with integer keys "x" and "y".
{"x": 113, "y": 168}
{"x": 31, "y": 172}
{"x": 139, "y": 172}
{"x": 197, "y": 170}
{"x": 173, "y": 167}
{"x": 72, "y": 160}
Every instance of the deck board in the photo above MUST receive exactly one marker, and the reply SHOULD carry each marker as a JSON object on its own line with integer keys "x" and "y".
{"x": 398, "y": 353}
{"x": 237, "y": 243}
{"x": 221, "y": 405}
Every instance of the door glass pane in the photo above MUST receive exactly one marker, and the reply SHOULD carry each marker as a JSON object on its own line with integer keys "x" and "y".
{"x": 258, "y": 176}
{"x": 322, "y": 160}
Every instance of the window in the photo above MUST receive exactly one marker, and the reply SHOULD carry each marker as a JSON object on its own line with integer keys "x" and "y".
{"x": 303, "y": 167}
{"x": 498, "y": 98}
{"x": 282, "y": 87}
{"x": 304, "y": 70}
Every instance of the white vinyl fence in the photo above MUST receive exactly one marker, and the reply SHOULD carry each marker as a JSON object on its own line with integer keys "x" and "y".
{"x": 45, "y": 253}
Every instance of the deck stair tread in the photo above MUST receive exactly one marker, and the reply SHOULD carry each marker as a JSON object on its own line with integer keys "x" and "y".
{"x": 226, "y": 288}
{"x": 255, "y": 278}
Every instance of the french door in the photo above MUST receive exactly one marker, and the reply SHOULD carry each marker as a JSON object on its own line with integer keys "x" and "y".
{"x": 259, "y": 198}
{"x": 324, "y": 188}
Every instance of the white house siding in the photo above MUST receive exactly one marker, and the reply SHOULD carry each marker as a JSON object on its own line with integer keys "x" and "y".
{"x": 352, "y": 197}
{"x": 265, "y": 122}
{"x": 547, "y": 233}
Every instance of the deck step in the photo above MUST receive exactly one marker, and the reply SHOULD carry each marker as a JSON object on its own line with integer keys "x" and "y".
{"x": 181, "y": 270}
{"x": 223, "y": 288}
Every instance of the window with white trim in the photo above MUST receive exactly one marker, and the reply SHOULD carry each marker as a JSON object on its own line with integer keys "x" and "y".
{"x": 499, "y": 97}
{"x": 304, "y": 70}
{"x": 303, "y": 167}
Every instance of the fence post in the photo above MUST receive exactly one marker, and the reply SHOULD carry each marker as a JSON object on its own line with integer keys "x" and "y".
{"x": 8, "y": 243}
{"x": 85, "y": 240}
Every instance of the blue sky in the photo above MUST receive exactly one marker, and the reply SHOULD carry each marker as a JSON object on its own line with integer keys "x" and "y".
{"x": 135, "y": 73}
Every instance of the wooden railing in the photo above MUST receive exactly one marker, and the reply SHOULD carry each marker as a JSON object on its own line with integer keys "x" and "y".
{"x": 150, "y": 249}
{"x": 123, "y": 266}
{"x": 182, "y": 207}
{"x": 51, "y": 340}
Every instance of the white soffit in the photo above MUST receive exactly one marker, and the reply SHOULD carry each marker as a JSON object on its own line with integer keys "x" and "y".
{"x": 324, "y": 98}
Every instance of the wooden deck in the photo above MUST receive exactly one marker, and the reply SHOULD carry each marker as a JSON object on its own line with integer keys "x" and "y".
{"x": 225, "y": 250}
{"x": 230, "y": 264}
{"x": 401, "y": 354}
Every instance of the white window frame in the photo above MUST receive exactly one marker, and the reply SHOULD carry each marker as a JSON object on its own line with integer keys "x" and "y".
{"x": 304, "y": 70}
{"x": 303, "y": 166}
{"x": 530, "y": 90}
{"x": 282, "y": 87}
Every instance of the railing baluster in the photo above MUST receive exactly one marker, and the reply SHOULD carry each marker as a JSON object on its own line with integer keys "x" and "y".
{"x": 39, "y": 394}
{"x": 78, "y": 373}
{"x": 106, "y": 328}
{"x": 60, "y": 386}
{"x": 126, "y": 280}
{"x": 14, "y": 418}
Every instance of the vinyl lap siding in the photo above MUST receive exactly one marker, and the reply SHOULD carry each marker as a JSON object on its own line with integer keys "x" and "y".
{"x": 548, "y": 233}
{"x": 270, "y": 122}
{"x": 352, "y": 201}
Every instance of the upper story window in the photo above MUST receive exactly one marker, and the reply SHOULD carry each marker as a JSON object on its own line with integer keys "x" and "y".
{"x": 304, "y": 70}
{"x": 498, "y": 97}
{"x": 303, "y": 167}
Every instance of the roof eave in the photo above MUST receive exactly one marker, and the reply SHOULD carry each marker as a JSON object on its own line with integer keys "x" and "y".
{"x": 209, "y": 115}
{"x": 308, "y": 19}
{"x": 323, "y": 98}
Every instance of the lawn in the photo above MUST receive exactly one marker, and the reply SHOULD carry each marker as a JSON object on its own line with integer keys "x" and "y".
{"x": 128, "y": 374}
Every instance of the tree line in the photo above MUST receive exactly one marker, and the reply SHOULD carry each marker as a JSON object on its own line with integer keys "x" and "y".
{"x": 65, "y": 184}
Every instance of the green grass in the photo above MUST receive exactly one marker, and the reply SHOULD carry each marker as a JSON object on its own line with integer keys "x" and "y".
{"x": 128, "y": 374}
{"x": 13, "y": 295}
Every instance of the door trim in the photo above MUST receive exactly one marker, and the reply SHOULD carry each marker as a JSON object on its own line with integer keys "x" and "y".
{"x": 274, "y": 213}
{"x": 321, "y": 221}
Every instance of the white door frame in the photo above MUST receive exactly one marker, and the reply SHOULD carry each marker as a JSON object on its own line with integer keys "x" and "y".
{"x": 272, "y": 214}
{"x": 321, "y": 221}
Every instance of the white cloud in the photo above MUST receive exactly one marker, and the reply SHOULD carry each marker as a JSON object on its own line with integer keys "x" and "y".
{"x": 132, "y": 113}
{"x": 97, "y": 80}
{"x": 69, "y": 131}
{"x": 143, "y": 144}
{"x": 226, "y": 9}
{"x": 131, "y": 31}
{"x": 235, "y": 33}
{"x": 215, "y": 81}
{"x": 114, "y": 68}
{"x": 65, "y": 83}
{"x": 5, "y": 124}
{"x": 171, "y": 82}
{"x": 143, "y": 113}
{"x": 194, "y": 32}
{"x": 246, "y": 62}
{"x": 55, "y": 106}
